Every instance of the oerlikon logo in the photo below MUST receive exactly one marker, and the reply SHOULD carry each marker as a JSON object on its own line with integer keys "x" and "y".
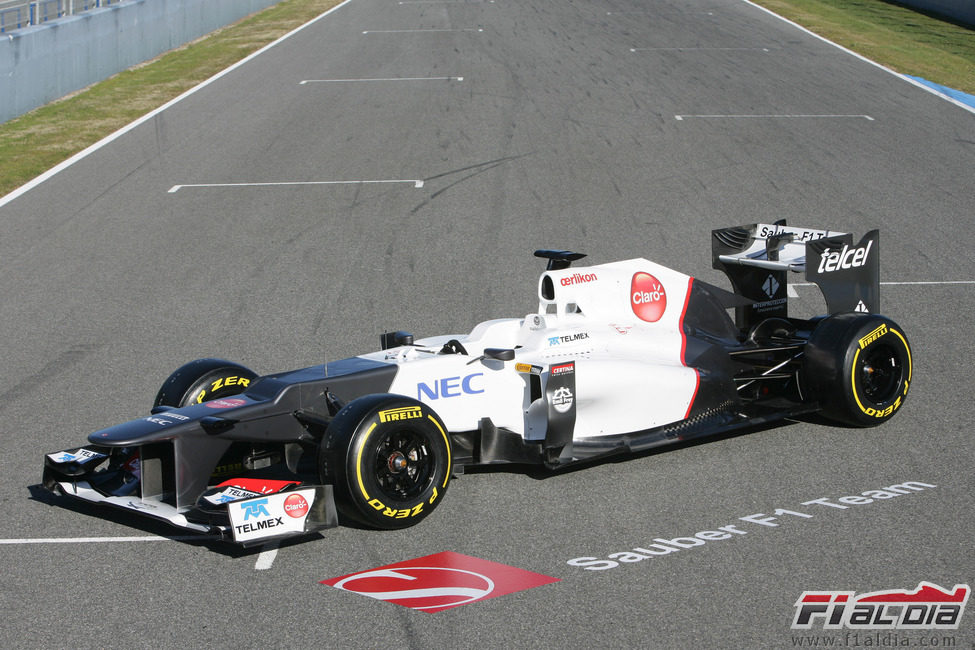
{"x": 647, "y": 297}
{"x": 439, "y": 581}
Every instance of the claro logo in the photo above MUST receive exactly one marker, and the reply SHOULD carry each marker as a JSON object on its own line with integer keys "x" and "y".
{"x": 647, "y": 297}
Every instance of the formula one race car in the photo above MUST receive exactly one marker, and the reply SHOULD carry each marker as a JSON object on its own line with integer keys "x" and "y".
{"x": 618, "y": 358}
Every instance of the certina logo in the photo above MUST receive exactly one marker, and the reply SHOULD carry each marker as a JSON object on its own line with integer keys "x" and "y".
{"x": 845, "y": 258}
{"x": 578, "y": 278}
{"x": 647, "y": 297}
{"x": 928, "y": 607}
{"x": 563, "y": 368}
{"x": 402, "y": 413}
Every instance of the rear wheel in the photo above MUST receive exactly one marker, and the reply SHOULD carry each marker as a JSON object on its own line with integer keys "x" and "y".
{"x": 204, "y": 380}
{"x": 858, "y": 367}
{"x": 388, "y": 458}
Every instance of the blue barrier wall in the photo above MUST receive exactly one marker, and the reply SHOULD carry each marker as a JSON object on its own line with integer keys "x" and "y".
{"x": 960, "y": 10}
{"x": 42, "y": 63}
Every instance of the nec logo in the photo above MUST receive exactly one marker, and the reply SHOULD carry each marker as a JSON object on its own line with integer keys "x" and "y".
{"x": 450, "y": 387}
{"x": 647, "y": 297}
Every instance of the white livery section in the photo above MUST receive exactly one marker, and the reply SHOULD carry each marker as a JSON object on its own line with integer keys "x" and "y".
{"x": 621, "y": 323}
{"x": 790, "y": 254}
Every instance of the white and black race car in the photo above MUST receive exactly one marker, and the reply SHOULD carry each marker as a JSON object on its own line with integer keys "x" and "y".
{"x": 619, "y": 357}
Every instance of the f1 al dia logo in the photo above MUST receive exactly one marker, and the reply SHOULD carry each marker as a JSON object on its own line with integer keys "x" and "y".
{"x": 929, "y": 607}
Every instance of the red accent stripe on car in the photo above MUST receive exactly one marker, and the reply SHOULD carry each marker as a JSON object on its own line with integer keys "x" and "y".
{"x": 683, "y": 346}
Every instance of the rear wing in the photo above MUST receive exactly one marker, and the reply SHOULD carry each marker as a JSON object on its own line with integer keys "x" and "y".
{"x": 757, "y": 258}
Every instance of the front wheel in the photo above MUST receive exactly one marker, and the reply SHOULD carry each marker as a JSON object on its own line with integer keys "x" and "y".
{"x": 388, "y": 458}
{"x": 203, "y": 380}
{"x": 859, "y": 367}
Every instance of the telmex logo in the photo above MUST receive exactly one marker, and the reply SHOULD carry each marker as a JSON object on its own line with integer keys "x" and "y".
{"x": 439, "y": 581}
{"x": 647, "y": 297}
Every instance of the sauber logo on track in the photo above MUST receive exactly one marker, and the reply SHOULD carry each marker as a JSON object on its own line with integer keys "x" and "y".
{"x": 928, "y": 607}
{"x": 647, "y": 297}
{"x": 439, "y": 581}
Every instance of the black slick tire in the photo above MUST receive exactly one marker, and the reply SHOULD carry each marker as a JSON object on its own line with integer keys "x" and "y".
{"x": 858, "y": 367}
{"x": 388, "y": 459}
{"x": 204, "y": 380}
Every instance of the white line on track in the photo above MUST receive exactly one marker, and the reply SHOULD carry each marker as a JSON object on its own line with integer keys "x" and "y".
{"x": 304, "y": 82}
{"x": 907, "y": 283}
{"x": 445, "y": 2}
{"x": 266, "y": 558}
{"x": 699, "y": 49}
{"x": 775, "y": 117}
{"x": 177, "y": 188}
{"x": 106, "y": 540}
{"x": 417, "y": 31}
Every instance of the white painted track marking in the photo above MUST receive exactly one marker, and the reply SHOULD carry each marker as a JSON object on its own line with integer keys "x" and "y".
{"x": 23, "y": 189}
{"x": 417, "y": 31}
{"x": 266, "y": 558}
{"x": 774, "y": 117}
{"x": 305, "y": 82}
{"x": 177, "y": 188}
{"x": 907, "y": 283}
{"x": 105, "y": 540}
{"x": 700, "y": 49}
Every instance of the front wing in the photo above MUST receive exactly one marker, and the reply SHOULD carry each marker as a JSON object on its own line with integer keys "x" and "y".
{"x": 244, "y": 511}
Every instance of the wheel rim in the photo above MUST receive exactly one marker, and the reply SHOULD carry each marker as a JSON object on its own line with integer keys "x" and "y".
{"x": 403, "y": 465}
{"x": 881, "y": 373}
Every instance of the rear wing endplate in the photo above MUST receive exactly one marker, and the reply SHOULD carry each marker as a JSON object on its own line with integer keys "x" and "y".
{"x": 757, "y": 258}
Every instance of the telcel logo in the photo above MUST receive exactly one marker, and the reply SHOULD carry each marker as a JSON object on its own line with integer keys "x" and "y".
{"x": 647, "y": 297}
{"x": 845, "y": 258}
{"x": 449, "y": 387}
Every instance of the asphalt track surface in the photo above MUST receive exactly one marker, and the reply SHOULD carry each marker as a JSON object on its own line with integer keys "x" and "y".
{"x": 617, "y": 128}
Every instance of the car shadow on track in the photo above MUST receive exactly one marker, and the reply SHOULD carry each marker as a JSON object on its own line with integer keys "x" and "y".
{"x": 541, "y": 473}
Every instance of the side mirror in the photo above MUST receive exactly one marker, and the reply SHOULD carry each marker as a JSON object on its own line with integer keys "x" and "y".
{"x": 501, "y": 354}
{"x": 395, "y": 339}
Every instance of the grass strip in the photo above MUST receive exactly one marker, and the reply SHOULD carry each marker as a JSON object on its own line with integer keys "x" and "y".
{"x": 36, "y": 141}
{"x": 903, "y": 39}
